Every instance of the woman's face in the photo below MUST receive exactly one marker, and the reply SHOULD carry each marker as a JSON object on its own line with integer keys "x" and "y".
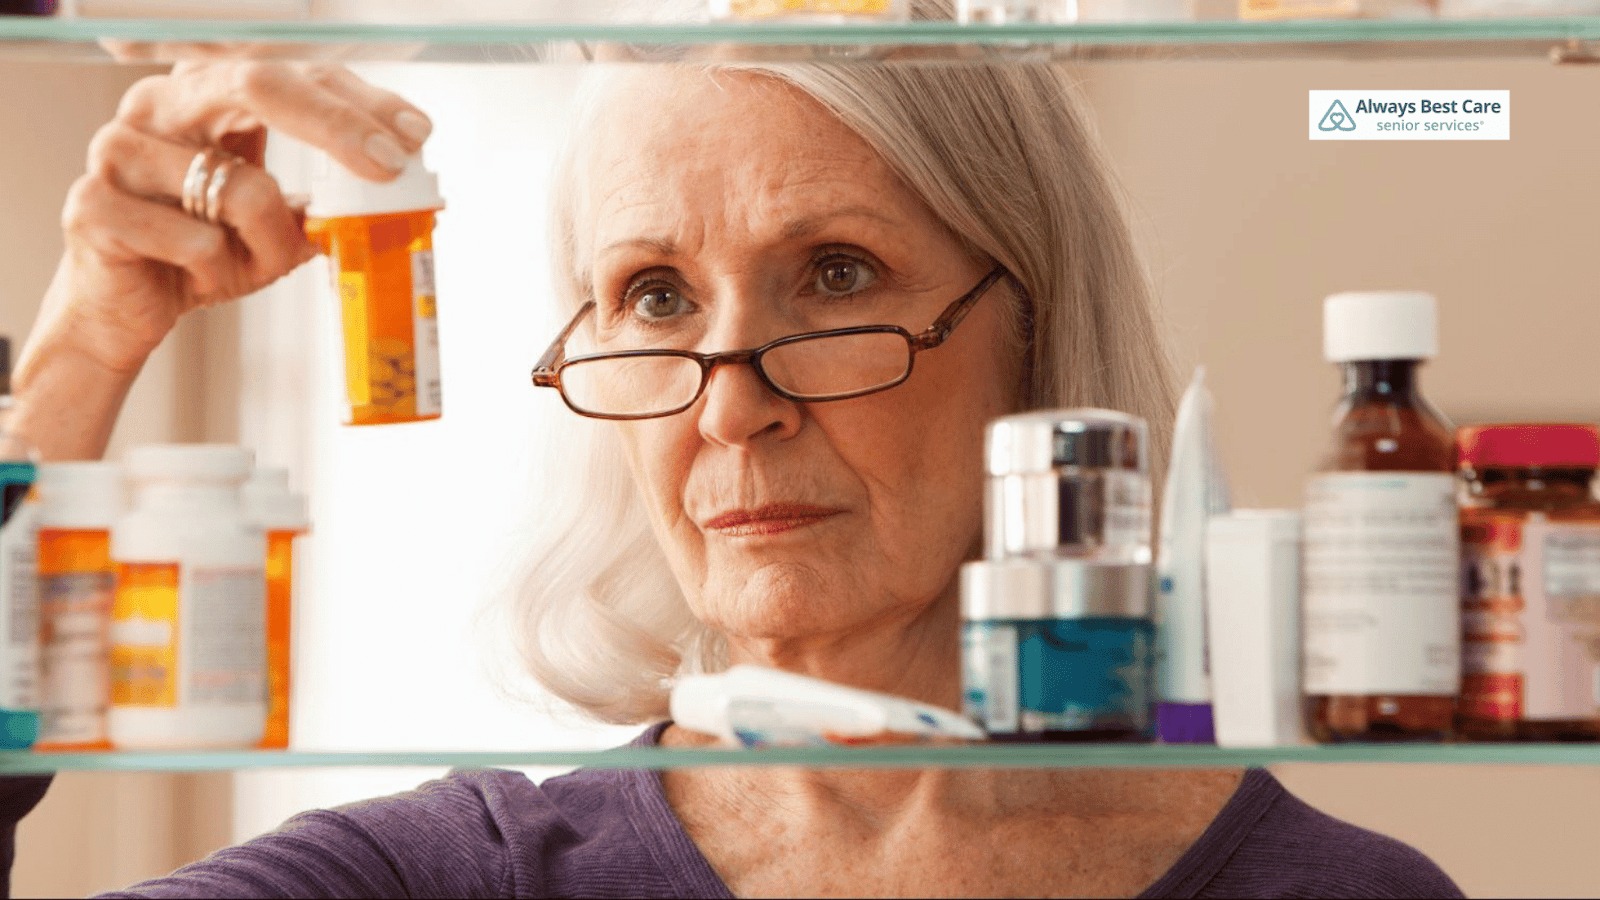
{"x": 722, "y": 212}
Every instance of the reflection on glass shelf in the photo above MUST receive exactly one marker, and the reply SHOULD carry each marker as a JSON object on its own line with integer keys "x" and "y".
{"x": 963, "y": 756}
{"x": 1566, "y": 39}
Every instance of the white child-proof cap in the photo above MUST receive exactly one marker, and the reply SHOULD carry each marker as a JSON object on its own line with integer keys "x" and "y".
{"x": 337, "y": 192}
{"x": 270, "y": 504}
{"x": 80, "y": 495}
{"x": 207, "y": 463}
{"x": 1360, "y": 325}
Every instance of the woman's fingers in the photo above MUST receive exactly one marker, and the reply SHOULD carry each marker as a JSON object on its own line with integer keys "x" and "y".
{"x": 369, "y": 130}
{"x": 126, "y": 230}
{"x": 413, "y": 124}
{"x": 249, "y": 202}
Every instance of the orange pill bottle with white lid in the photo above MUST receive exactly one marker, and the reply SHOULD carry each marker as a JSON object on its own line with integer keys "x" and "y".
{"x": 379, "y": 240}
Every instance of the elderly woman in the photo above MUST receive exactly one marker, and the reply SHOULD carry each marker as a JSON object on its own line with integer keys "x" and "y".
{"x": 805, "y": 511}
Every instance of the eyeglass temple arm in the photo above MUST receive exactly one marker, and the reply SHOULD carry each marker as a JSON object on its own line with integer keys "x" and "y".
{"x": 946, "y": 323}
{"x": 544, "y": 371}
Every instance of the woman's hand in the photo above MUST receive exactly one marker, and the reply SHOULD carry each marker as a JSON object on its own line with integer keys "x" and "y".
{"x": 135, "y": 261}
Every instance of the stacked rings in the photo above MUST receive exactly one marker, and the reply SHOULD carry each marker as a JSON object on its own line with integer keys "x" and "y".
{"x": 203, "y": 183}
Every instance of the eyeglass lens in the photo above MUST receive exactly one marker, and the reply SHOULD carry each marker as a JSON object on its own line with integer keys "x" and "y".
{"x": 810, "y": 368}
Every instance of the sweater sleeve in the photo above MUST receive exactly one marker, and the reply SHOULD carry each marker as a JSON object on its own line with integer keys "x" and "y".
{"x": 19, "y": 794}
{"x": 436, "y": 841}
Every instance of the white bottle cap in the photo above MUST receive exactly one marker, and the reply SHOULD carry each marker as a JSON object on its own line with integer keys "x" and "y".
{"x": 1380, "y": 325}
{"x": 338, "y": 192}
{"x": 269, "y": 502}
{"x": 189, "y": 462}
{"x": 80, "y": 495}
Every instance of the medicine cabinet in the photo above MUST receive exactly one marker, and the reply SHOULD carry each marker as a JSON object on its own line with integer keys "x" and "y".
{"x": 1562, "y": 41}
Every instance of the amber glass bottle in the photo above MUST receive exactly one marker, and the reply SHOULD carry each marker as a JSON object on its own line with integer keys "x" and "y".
{"x": 1530, "y": 601}
{"x": 1381, "y": 565}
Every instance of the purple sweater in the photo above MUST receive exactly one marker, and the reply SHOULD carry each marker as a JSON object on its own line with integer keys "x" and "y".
{"x": 610, "y": 833}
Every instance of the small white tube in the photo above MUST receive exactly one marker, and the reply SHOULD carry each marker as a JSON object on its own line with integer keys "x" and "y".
{"x": 760, "y": 707}
{"x": 1194, "y": 491}
{"x": 1253, "y": 581}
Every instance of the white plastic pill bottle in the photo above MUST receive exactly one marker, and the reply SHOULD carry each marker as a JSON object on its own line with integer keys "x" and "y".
{"x": 188, "y": 637}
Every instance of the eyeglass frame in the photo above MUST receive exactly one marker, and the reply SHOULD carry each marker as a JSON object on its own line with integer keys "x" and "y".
{"x": 547, "y": 371}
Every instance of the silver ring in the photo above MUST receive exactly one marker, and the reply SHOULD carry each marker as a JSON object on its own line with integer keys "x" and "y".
{"x": 194, "y": 181}
{"x": 212, "y": 213}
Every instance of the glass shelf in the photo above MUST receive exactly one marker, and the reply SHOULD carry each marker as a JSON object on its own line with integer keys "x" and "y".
{"x": 903, "y": 756}
{"x": 1575, "y": 39}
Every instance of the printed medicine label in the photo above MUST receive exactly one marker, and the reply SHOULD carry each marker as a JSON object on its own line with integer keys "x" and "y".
{"x": 1561, "y": 622}
{"x": 425, "y": 334}
{"x": 991, "y": 688}
{"x": 1409, "y": 115}
{"x": 225, "y": 634}
{"x": 1381, "y": 589}
{"x": 19, "y": 589}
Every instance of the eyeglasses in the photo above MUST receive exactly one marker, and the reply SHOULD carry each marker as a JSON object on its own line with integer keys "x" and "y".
{"x": 813, "y": 367}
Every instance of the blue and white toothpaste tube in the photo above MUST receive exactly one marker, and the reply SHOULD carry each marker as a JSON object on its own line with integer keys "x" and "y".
{"x": 754, "y": 706}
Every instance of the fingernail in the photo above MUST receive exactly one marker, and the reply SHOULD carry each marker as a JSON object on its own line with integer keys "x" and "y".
{"x": 413, "y": 125}
{"x": 383, "y": 150}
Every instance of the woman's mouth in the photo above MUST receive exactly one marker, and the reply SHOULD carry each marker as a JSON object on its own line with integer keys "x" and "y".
{"x": 775, "y": 518}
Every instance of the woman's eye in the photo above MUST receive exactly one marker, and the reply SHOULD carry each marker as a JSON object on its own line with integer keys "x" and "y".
{"x": 657, "y": 302}
{"x": 840, "y": 275}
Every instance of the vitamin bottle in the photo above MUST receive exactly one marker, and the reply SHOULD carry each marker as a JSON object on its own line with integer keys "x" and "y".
{"x": 379, "y": 241}
{"x": 282, "y": 515}
{"x": 19, "y": 582}
{"x": 78, "y": 502}
{"x": 1530, "y": 595}
{"x": 1382, "y": 632}
{"x": 188, "y": 644}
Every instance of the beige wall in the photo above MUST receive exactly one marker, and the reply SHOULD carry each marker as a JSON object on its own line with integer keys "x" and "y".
{"x": 1249, "y": 225}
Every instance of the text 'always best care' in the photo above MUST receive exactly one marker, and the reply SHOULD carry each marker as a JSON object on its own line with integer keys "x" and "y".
{"x": 1431, "y": 114}
{"x": 1430, "y": 107}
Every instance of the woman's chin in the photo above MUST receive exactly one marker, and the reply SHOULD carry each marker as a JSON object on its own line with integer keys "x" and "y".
{"x": 777, "y": 601}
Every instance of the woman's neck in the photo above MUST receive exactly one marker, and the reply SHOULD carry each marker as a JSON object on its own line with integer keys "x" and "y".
{"x": 916, "y": 656}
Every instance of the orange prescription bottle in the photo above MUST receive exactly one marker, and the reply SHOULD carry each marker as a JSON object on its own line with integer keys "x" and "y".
{"x": 379, "y": 242}
{"x": 78, "y": 502}
{"x": 1530, "y": 591}
{"x": 282, "y": 515}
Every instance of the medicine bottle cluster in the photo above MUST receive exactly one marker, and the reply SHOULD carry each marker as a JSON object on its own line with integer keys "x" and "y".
{"x": 164, "y": 598}
{"x": 1448, "y": 583}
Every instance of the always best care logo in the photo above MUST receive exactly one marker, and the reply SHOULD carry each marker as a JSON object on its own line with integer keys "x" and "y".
{"x": 1409, "y": 115}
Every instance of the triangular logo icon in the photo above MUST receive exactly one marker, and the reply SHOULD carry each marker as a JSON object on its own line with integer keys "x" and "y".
{"x": 1337, "y": 118}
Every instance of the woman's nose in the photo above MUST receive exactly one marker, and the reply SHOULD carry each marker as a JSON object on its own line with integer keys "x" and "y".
{"x": 738, "y": 408}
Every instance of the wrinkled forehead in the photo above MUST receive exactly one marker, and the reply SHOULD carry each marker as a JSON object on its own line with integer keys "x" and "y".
{"x": 643, "y": 126}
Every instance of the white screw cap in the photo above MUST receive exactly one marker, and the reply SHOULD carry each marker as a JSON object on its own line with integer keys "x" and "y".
{"x": 337, "y": 192}
{"x": 269, "y": 502}
{"x": 1360, "y": 325}
{"x": 80, "y": 495}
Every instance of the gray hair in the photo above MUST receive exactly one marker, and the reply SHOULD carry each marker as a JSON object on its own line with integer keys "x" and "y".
{"x": 1006, "y": 158}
